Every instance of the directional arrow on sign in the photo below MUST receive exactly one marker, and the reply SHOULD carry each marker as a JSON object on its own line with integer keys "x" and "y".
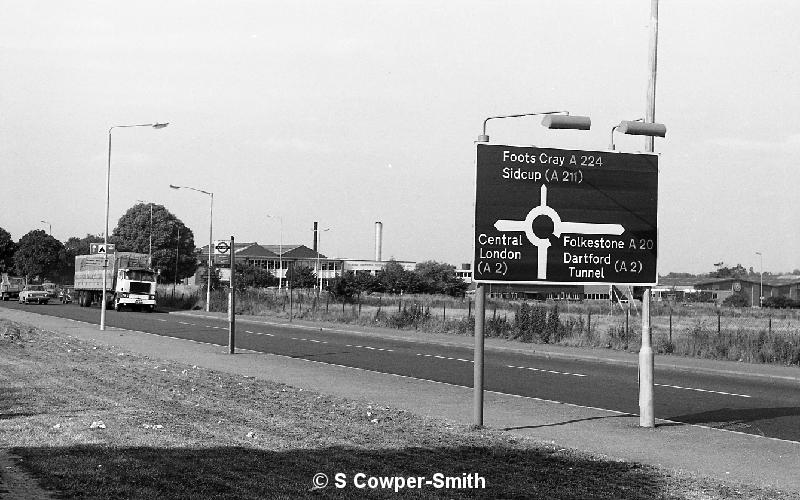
{"x": 559, "y": 227}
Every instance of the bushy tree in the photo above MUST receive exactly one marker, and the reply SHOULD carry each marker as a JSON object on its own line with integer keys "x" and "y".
{"x": 172, "y": 240}
{"x": 736, "y": 300}
{"x": 7, "y": 249}
{"x": 394, "y": 279}
{"x": 301, "y": 277}
{"x": 39, "y": 255}
{"x": 436, "y": 277}
{"x": 249, "y": 276}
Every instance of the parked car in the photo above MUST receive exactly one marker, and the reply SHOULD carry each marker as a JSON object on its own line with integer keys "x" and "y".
{"x": 34, "y": 293}
{"x": 65, "y": 296}
{"x": 51, "y": 289}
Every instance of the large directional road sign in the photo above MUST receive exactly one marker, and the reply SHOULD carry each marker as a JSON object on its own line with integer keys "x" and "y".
{"x": 558, "y": 216}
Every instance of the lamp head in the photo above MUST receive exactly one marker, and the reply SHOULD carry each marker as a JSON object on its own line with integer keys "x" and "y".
{"x": 640, "y": 128}
{"x": 174, "y": 187}
{"x": 160, "y": 125}
{"x": 567, "y": 122}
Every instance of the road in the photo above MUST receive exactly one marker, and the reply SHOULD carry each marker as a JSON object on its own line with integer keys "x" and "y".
{"x": 760, "y": 406}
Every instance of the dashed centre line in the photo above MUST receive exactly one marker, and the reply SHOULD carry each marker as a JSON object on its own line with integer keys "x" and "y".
{"x": 703, "y": 390}
{"x": 444, "y": 357}
{"x": 547, "y": 371}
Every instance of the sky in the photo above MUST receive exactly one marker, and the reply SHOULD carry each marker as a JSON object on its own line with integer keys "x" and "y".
{"x": 352, "y": 112}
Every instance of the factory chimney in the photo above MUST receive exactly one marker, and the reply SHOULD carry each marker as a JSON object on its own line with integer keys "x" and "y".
{"x": 315, "y": 236}
{"x": 378, "y": 240}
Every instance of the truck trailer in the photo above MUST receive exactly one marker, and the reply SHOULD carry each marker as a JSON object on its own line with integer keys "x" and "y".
{"x": 10, "y": 286}
{"x": 130, "y": 282}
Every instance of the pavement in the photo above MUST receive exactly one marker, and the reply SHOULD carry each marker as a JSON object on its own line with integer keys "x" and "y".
{"x": 728, "y": 456}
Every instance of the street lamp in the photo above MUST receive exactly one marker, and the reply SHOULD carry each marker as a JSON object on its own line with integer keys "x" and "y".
{"x": 761, "y": 282}
{"x": 210, "y": 240}
{"x": 319, "y": 245}
{"x": 49, "y": 227}
{"x": 108, "y": 197}
{"x": 280, "y": 250}
{"x": 638, "y": 127}
{"x": 552, "y": 120}
{"x": 150, "y": 252}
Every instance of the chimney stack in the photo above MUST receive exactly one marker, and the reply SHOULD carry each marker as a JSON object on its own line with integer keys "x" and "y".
{"x": 315, "y": 236}
{"x": 378, "y": 240}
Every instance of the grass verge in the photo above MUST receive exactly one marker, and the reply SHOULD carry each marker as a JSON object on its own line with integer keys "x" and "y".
{"x": 90, "y": 421}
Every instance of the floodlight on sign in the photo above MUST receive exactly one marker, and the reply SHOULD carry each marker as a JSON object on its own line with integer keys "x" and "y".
{"x": 567, "y": 122}
{"x": 641, "y": 128}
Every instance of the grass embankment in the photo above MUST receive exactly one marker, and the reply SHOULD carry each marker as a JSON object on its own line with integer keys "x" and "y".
{"x": 91, "y": 421}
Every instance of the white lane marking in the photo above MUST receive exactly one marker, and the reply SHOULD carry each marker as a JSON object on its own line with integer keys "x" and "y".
{"x": 370, "y": 348}
{"x": 704, "y": 390}
{"x": 162, "y": 320}
{"x": 185, "y": 323}
{"x": 547, "y": 371}
{"x": 444, "y": 357}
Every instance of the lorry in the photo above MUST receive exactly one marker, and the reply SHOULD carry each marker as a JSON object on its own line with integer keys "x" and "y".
{"x": 10, "y": 286}
{"x": 130, "y": 282}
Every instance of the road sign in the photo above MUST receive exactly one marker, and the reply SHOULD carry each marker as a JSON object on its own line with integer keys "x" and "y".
{"x": 557, "y": 216}
{"x": 221, "y": 247}
{"x": 100, "y": 248}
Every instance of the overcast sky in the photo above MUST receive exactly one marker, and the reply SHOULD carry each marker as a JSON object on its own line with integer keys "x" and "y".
{"x": 351, "y": 112}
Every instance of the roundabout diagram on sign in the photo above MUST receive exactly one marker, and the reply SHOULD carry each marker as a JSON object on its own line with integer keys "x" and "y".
{"x": 542, "y": 211}
{"x": 222, "y": 247}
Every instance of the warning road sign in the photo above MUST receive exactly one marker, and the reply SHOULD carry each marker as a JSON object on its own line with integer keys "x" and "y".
{"x": 101, "y": 248}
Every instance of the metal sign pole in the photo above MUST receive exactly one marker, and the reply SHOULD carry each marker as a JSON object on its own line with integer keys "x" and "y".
{"x": 646, "y": 360}
{"x": 480, "y": 317}
{"x": 232, "y": 304}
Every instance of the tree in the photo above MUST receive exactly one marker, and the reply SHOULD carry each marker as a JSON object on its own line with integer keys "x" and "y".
{"x": 301, "y": 277}
{"x": 728, "y": 272}
{"x": 249, "y": 276}
{"x": 7, "y": 249}
{"x": 394, "y": 279}
{"x": 441, "y": 278}
{"x": 349, "y": 284}
{"x": 38, "y": 256}
{"x": 171, "y": 239}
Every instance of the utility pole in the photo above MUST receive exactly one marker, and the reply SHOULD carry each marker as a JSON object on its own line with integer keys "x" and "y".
{"x": 646, "y": 358}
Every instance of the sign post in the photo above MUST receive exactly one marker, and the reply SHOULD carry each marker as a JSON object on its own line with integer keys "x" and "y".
{"x": 232, "y": 304}
{"x": 561, "y": 217}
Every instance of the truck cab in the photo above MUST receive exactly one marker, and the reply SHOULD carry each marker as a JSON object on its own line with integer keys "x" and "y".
{"x": 135, "y": 288}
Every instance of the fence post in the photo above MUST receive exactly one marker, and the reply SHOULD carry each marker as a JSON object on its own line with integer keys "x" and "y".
{"x": 627, "y": 319}
{"x": 359, "y": 304}
{"x": 589, "y": 323}
{"x": 670, "y": 323}
{"x": 444, "y": 312}
{"x": 770, "y": 325}
{"x": 469, "y": 308}
{"x": 719, "y": 321}
{"x": 380, "y": 302}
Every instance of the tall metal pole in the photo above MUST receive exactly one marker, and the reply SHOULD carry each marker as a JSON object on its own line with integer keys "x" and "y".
{"x": 177, "y": 255}
{"x": 477, "y": 385}
{"x": 150, "y": 253}
{"x": 105, "y": 233}
{"x": 105, "y": 238}
{"x": 232, "y": 305}
{"x": 646, "y": 359}
{"x": 761, "y": 281}
{"x": 210, "y": 260}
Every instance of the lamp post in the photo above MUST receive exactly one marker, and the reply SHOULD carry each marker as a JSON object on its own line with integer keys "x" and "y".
{"x": 761, "y": 282}
{"x": 150, "y": 237}
{"x": 280, "y": 250}
{"x": 210, "y": 240}
{"x": 319, "y": 269}
{"x": 156, "y": 125}
{"x": 177, "y": 254}
{"x": 49, "y": 227}
{"x": 552, "y": 120}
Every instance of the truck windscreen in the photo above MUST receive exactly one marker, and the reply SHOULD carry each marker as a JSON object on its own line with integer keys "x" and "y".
{"x": 139, "y": 275}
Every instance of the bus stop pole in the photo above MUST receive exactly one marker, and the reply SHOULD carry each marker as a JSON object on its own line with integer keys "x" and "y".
{"x": 232, "y": 304}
